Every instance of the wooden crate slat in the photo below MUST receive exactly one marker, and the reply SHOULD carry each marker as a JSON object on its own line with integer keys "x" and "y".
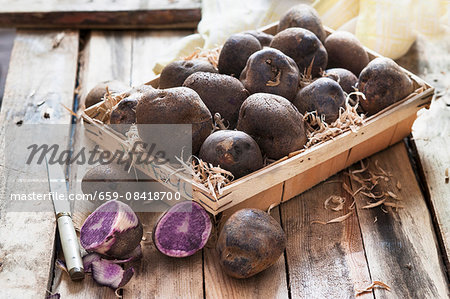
{"x": 39, "y": 70}
{"x": 400, "y": 246}
{"x": 100, "y": 14}
{"x": 324, "y": 261}
{"x": 271, "y": 283}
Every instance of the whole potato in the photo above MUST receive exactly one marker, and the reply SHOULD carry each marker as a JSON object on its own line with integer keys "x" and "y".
{"x": 264, "y": 38}
{"x": 235, "y": 53}
{"x": 123, "y": 115}
{"x": 274, "y": 123}
{"x": 303, "y": 16}
{"x": 271, "y": 71}
{"x": 383, "y": 83}
{"x": 302, "y": 46}
{"x": 96, "y": 94}
{"x": 220, "y": 93}
{"x": 346, "y": 79}
{"x": 178, "y": 105}
{"x": 174, "y": 74}
{"x": 346, "y": 51}
{"x": 250, "y": 242}
{"x": 234, "y": 151}
{"x": 324, "y": 95}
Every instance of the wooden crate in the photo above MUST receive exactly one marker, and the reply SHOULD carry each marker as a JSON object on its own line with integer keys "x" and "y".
{"x": 288, "y": 177}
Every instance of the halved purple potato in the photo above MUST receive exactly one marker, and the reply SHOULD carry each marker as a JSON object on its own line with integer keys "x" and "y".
{"x": 346, "y": 79}
{"x": 183, "y": 230}
{"x": 324, "y": 95}
{"x": 304, "y": 47}
{"x": 109, "y": 274}
{"x": 113, "y": 230}
{"x": 303, "y": 16}
{"x": 235, "y": 53}
{"x": 271, "y": 71}
{"x": 174, "y": 74}
{"x": 250, "y": 242}
{"x": 234, "y": 151}
{"x": 383, "y": 83}
{"x": 221, "y": 94}
{"x": 346, "y": 51}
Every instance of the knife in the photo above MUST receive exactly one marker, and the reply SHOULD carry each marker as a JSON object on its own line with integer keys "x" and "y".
{"x": 67, "y": 234}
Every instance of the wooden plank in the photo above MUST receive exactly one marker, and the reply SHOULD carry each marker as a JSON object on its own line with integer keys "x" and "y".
{"x": 270, "y": 283}
{"x": 430, "y": 60}
{"x": 170, "y": 277}
{"x": 39, "y": 71}
{"x": 100, "y": 14}
{"x": 401, "y": 246}
{"x": 324, "y": 261}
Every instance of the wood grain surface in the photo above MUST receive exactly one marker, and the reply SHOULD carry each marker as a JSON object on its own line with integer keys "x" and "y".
{"x": 40, "y": 72}
{"x": 100, "y": 14}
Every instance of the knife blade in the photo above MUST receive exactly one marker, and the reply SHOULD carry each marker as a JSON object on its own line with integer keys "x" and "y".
{"x": 67, "y": 234}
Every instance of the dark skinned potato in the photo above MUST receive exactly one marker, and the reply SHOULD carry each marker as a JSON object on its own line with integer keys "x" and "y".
{"x": 346, "y": 51}
{"x": 174, "y": 74}
{"x": 383, "y": 83}
{"x": 178, "y": 105}
{"x": 235, "y": 53}
{"x": 221, "y": 93}
{"x": 234, "y": 151}
{"x": 123, "y": 115}
{"x": 250, "y": 242}
{"x": 303, "y": 16}
{"x": 96, "y": 94}
{"x": 271, "y": 71}
{"x": 274, "y": 123}
{"x": 324, "y": 95}
{"x": 346, "y": 79}
{"x": 302, "y": 46}
{"x": 264, "y": 38}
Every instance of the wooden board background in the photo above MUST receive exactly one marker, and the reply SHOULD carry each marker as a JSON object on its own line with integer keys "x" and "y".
{"x": 134, "y": 14}
{"x": 400, "y": 248}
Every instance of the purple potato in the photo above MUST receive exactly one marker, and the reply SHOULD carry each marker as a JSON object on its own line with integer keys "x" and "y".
{"x": 346, "y": 79}
{"x": 346, "y": 51}
{"x": 123, "y": 115}
{"x": 174, "y": 74}
{"x": 302, "y": 46}
{"x": 183, "y": 230}
{"x": 234, "y": 151}
{"x": 274, "y": 123}
{"x": 250, "y": 242}
{"x": 324, "y": 95}
{"x": 113, "y": 230}
{"x": 303, "y": 16}
{"x": 235, "y": 53}
{"x": 264, "y": 38}
{"x": 220, "y": 93}
{"x": 96, "y": 94}
{"x": 383, "y": 83}
{"x": 107, "y": 273}
{"x": 271, "y": 71}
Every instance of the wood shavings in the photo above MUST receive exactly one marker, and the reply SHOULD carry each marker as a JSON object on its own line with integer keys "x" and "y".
{"x": 372, "y": 286}
{"x": 271, "y": 207}
{"x": 371, "y": 195}
{"x": 336, "y": 200}
{"x": 210, "y": 55}
{"x": 398, "y": 185}
{"x": 375, "y": 204}
{"x": 116, "y": 292}
{"x": 335, "y": 220}
{"x": 348, "y": 119}
{"x": 219, "y": 122}
{"x": 392, "y": 194}
{"x": 375, "y": 219}
{"x": 393, "y": 205}
{"x": 212, "y": 177}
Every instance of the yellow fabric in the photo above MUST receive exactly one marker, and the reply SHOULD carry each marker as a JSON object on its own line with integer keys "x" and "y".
{"x": 388, "y": 27}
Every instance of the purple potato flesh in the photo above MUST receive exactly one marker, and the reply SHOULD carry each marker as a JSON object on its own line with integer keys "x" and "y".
{"x": 106, "y": 273}
{"x": 183, "y": 230}
{"x": 113, "y": 230}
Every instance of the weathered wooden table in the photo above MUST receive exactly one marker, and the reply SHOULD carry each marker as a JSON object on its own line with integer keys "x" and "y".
{"x": 407, "y": 248}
